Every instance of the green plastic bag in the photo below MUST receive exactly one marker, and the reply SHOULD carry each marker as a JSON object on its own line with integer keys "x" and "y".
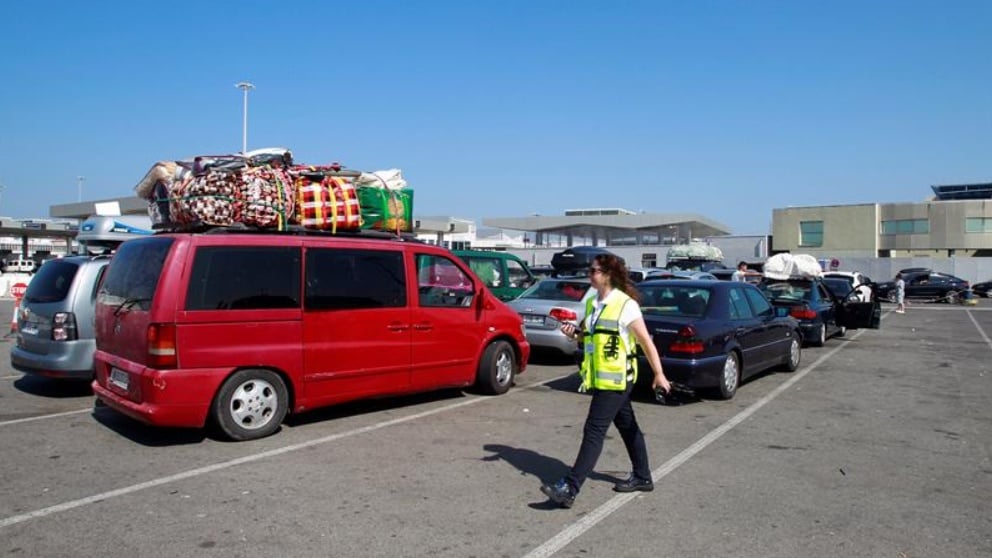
{"x": 386, "y": 209}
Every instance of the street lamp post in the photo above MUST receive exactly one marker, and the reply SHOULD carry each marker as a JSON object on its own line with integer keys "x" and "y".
{"x": 246, "y": 87}
{"x": 79, "y": 187}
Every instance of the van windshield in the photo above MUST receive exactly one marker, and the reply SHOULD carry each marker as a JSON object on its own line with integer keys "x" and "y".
{"x": 134, "y": 272}
{"x": 52, "y": 283}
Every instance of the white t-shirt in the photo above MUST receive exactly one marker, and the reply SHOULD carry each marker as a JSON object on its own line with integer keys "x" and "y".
{"x": 630, "y": 313}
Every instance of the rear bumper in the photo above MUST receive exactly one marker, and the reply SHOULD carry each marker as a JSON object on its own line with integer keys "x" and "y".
{"x": 551, "y": 339}
{"x": 71, "y": 360}
{"x": 180, "y": 398}
{"x": 695, "y": 373}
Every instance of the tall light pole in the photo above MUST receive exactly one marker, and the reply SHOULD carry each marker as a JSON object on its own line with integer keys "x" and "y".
{"x": 79, "y": 187}
{"x": 246, "y": 87}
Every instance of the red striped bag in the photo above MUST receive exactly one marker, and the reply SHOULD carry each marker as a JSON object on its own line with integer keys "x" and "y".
{"x": 327, "y": 203}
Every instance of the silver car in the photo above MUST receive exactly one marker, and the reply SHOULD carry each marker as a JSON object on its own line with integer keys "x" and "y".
{"x": 55, "y": 321}
{"x": 548, "y": 303}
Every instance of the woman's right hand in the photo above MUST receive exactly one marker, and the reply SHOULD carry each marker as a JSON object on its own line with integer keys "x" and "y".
{"x": 569, "y": 329}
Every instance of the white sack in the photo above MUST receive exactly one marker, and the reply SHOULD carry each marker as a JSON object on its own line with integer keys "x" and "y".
{"x": 392, "y": 179}
{"x": 788, "y": 266}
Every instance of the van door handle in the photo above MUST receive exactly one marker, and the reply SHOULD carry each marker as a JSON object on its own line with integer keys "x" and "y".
{"x": 398, "y": 326}
{"x": 423, "y": 326}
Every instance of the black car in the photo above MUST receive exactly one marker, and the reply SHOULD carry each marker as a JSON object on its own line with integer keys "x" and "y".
{"x": 576, "y": 260}
{"x": 812, "y": 303}
{"x": 982, "y": 289}
{"x": 715, "y": 334}
{"x": 925, "y": 285}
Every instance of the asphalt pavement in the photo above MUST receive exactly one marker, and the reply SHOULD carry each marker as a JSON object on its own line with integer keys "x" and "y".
{"x": 879, "y": 445}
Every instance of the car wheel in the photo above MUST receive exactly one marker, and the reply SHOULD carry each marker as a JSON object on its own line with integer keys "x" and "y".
{"x": 731, "y": 376}
{"x": 795, "y": 354}
{"x": 250, "y": 404}
{"x": 951, "y": 297}
{"x": 497, "y": 368}
{"x": 841, "y": 332}
{"x": 819, "y": 338}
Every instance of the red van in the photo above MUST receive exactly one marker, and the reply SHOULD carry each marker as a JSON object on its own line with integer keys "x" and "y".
{"x": 238, "y": 329}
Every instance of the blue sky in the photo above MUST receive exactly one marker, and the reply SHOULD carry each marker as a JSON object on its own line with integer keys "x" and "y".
{"x": 511, "y": 108}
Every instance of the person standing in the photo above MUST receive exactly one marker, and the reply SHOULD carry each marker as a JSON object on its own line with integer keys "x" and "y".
{"x": 741, "y": 273}
{"x": 612, "y": 326}
{"x": 900, "y": 294}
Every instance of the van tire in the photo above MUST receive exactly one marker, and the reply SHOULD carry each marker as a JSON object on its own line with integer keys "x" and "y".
{"x": 250, "y": 404}
{"x": 497, "y": 369}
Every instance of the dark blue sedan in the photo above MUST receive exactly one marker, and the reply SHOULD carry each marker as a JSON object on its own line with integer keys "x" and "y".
{"x": 715, "y": 334}
{"x": 809, "y": 301}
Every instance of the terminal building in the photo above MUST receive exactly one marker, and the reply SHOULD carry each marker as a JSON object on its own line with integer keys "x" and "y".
{"x": 956, "y": 222}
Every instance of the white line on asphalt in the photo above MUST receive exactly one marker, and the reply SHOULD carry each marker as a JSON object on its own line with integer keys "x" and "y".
{"x": 572, "y": 532}
{"x": 12, "y": 520}
{"x": 40, "y": 417}
{"x": 980, "y": 330}
{"x": 12, "y": 377}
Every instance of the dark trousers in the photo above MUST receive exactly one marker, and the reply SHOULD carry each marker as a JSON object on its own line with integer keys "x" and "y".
{"x": 607, "y": 407}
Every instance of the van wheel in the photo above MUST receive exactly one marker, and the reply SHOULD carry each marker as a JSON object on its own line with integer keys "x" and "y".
{"x": 250, "y": 404}
{"x": 497, "y": 368}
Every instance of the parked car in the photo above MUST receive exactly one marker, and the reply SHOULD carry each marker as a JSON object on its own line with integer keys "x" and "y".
{"x": 547, "y": 304}
{"x": 811, "y": 303}
{"x": 727, "y": 274}
{"x": 542, "y": 271}
{"x": 926, "y": 285}
{"x": 20, "y": 265}
{"x": 982, "y": 289}
{"x": 505, "y": 274}
{"x": 189, "y": 330}
{"x": 576, "y": 260}
{"x": 856, "y": 282}
{"x": 716, "y": 334}
{"x": 55, "y": 321}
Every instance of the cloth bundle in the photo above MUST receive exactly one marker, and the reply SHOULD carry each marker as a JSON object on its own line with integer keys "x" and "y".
{"x": 327, "y": 203}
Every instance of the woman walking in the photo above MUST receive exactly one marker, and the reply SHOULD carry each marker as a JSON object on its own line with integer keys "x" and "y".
{"x": 612, "y": 326}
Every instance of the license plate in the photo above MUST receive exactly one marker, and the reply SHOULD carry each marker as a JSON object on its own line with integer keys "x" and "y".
{"x": 28, "y": 330}
{"x": 119, "y": 378}
{"x": 534, "y": 320}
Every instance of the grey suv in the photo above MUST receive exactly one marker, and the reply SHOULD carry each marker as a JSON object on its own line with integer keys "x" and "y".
{"x": 55, "y": 322}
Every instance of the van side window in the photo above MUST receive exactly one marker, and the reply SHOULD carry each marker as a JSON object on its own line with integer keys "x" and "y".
{"x": 487, "y": 269}
{"x": 352, "y": 279}
{"x": 442, "y": 283}
{"x": 244, "y": 278}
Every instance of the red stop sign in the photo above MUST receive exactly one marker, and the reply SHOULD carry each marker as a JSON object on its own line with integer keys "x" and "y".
{"x": 17, "y": 290}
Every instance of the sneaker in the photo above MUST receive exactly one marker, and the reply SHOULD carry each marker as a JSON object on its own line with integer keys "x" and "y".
{"x": 560, "y": 493}
{"x": 900, "y": 311}
{"x": 634, "y": 484}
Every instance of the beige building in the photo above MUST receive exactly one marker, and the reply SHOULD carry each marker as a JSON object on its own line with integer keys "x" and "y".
{"x": 958, "y": 222}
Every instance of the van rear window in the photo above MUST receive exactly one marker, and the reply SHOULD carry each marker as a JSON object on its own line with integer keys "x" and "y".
{"x": 134, "y": 272}
{"x": 52, "y": 282}
{"x": 244, "y": 278}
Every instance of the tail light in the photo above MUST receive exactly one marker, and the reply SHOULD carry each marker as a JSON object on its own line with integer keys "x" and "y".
{"x": 162, "y": 346}
{"x": 563, "y": 315}
{"x": 64, "y": 327}
{"x": 803, "y": 313}
{"x": 687, "y": 341}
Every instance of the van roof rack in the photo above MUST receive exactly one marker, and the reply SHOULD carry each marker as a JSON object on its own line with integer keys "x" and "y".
{"x": 295, "y": 230}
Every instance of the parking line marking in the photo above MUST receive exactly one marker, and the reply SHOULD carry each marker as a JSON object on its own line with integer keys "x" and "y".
{"x": 40, "y": 417}
{"x": 980, "y": 330}
{"x": 590, "y": 520}
{"x": 11, "y": 377}
{"x": 72, "y": 504}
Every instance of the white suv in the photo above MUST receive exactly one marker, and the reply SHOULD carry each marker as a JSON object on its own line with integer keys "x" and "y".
{"x": 857, "y": 280}
{"x": 20, "y": 265}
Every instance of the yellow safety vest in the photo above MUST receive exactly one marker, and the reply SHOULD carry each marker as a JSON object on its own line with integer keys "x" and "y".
{"x": 607, "y": 360}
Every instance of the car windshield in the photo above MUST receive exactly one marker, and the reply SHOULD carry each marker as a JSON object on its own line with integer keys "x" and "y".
{"x": 52, "y": 282}
{"x": 677, "y": 300}
{"x": 557, "y": 290}
{"x": 787, "y": 290}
